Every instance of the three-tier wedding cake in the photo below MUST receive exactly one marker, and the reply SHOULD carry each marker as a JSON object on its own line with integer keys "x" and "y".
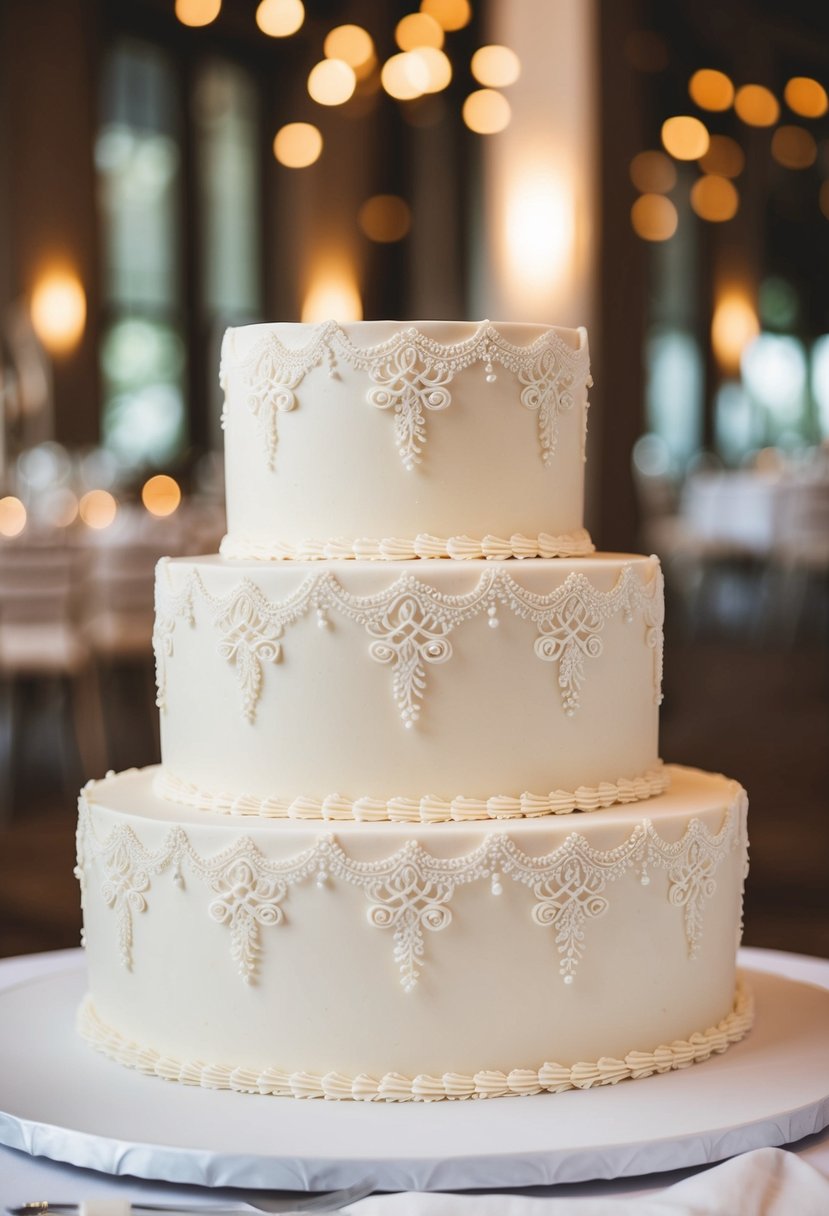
{"x": 410, "y": 837}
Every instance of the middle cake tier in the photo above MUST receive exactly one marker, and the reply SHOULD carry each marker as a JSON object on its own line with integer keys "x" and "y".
{"x": 452, "y": 691}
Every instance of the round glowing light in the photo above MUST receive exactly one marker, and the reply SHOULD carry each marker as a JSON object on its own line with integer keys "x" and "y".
{"x": 198, "y": 12}
{"x": 486, "y": 112}
{"x": 405, "y": 76}
{"x": 280, "y": 18}
{"x": 297, "y": 145}
{"x": 416, "y": 30}
{"x": 351, "y": 43}
{"x": 733, "y": 326}
{"x": 794, "y": 147}
{"x": 449, "y": 14}
{"x": 58, "y": 311}
{"x": 686, "y": 138}
{"x": 823, "y": 198}
{"x": 714, "y": 198}
{"x": 333, "y": 296}
{"x": 331, "y": 82}
{"x": 97, "y": 509}
{"x": 757, "y": 105}
{"x": 385, "y": 218}
{"x": 496, "y": 67}
{"x": 161, "y": 495}
{"x": 12, "y": 516}
{"x": 438, "y": 67}
{"x": 653, "y": 172}
{"x": 654, "y": 217}
{"x": 724, "y": 157}
{"x": 806, "y": 97}
{"x": 711, "y": 90}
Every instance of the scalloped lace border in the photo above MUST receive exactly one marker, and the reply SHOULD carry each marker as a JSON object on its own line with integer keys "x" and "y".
{"x": 460, "y": 548}
{"x": 392, "y": 1087}
{"x": 428, "y": 809}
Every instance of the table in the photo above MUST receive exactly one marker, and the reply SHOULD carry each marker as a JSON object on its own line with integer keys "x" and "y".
{"x": 24, "y": 1178}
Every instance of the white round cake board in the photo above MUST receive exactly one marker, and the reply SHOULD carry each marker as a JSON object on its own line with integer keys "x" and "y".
{"x": 62, "y": 1100}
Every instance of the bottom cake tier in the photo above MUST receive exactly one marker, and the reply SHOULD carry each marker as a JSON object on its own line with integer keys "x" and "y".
{"x": 412, "y": 961}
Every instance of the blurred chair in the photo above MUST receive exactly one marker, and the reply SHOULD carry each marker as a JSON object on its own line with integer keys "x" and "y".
{"x": 41, "y": 644}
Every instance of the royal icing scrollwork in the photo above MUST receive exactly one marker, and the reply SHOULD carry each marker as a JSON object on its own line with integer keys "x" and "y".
{"x": 410, "y": 892}
{"x": 409, "y": 624}
{"x": 410, "y": 373}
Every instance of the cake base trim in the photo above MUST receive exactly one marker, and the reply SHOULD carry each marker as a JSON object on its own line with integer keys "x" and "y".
{"x": 459, "y": 548}
{"x": 427, "y": 809}
{"x": 393, "y": 1087}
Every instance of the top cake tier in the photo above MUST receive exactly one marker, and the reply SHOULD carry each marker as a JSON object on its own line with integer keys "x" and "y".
{"x": 390, "y": 439}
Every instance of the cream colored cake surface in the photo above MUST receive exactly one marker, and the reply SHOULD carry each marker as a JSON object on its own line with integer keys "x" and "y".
{"x": 363, "y": 869}
{"x": 398, "y": 440}
{"x": 447, "y": 690}
{"x": 398, "y": 961}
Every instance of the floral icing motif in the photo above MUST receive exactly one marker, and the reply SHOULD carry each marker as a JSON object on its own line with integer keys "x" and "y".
{"x": 247, "y": 897}
{"x": 409, "y": 623}
{"x": 169, "y": 607}
{"x": 411, "y": 891}
{"x": 411, "y": 372}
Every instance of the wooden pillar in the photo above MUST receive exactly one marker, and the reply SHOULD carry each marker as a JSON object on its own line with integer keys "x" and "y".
{"x": 48, "y": 77}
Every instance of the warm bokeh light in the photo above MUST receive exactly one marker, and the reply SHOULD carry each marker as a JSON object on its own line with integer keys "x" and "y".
{"x": 280, "y": 18}
{"x": 352, "y": 44}
{"x": 418, "y": 29}
{"x": 806, "y": 97}
{"x": 161, "y": 495}
{"x": 97, "y": 509}
{"x": 198, "y": 12}
{"x": 733, "y": 326}
{"x": 711, "y": 90}
{"x": 438, "y": 68}
{"x": 331, "y": 82}
{"x": 385, "y": 218}
{"x": 297, "y": 145}
{"x": 58, "y": 311}
{"x": 794, "y": 147}
{"x": 12, "y": 516}
{"x": 333, "y": 294}
{"x": 685, "y": 137}
{"x": 653, "y": 172}
{"x": 405, "y": 76}
{"x": 495, "y": 66}
{"x": 654, "y": 217}
{"x": 714, "y": 198}
{"x": 538, "y": 228}
{"x": 450, "y": 14}
{"x": 757, "y": 105}
{"x": 724, "y": 157}
{"x": 486, "y": 112}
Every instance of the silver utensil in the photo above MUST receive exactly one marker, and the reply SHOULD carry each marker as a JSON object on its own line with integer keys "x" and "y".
{"x": 331, "y": 1201}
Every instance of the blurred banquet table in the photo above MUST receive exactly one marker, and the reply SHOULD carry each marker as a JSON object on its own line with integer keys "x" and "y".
{"x": 26, "y": 1179}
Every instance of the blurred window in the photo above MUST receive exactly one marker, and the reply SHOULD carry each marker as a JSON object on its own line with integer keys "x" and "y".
{"x": 150, "y": 359}
{"x": 674, "y": 393}
{"x": 138, "y": 161}
{"x": 775, "y": 377}
{"x": 820, "y": 383}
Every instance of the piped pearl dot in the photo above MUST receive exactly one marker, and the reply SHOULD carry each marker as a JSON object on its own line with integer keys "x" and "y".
{"x": 322, "y": 878}
{"x": 490, "y": 377}
{"x": 568, "y": 979}
{"x": 497, "y": 888}
{"x": 322, "y": 619}
{"x": 645, "y": 880}
{"x": 408, "y": 724}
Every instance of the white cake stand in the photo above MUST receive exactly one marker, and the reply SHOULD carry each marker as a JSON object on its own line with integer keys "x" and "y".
{"x": 61, "y": 1100}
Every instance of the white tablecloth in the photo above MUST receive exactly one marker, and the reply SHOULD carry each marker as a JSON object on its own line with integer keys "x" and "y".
{"x": 24, "y": 1179}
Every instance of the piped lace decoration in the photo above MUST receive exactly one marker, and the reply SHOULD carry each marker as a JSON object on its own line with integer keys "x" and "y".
{"x": 409, "y": 893}
{"x": 409, "y": 625}
{"x": 410, "y": 373}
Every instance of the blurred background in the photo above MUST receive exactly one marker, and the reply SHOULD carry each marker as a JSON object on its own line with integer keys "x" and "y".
{"x": 657, "y": 172}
